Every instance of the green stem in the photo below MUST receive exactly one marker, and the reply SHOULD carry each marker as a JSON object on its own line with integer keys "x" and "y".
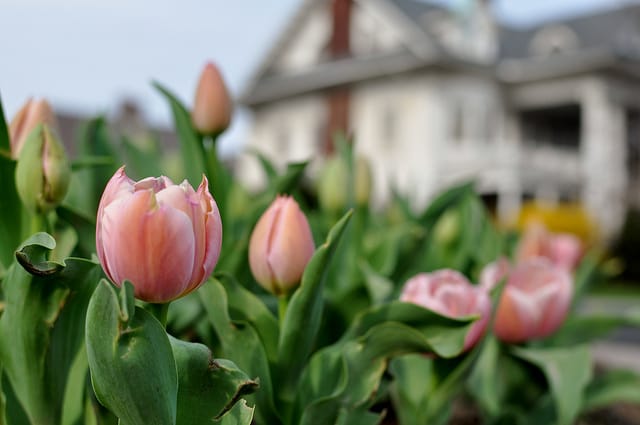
{"x": 218, "y": 179}
{"x": 37, "y": 224}
{"x": 283, "y": 303}
{"x": 159, "y": 311}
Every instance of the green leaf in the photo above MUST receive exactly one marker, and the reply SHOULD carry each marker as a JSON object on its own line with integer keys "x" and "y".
{"x": 421, "y": 256}
{"x": 359, "y": 416}
{"x": 83, "y": 224}
{"x": 91, "y": 161}
{"x": 267, "y": 166}
{"x": 288, "y": 181}
{"x": 207, "y": 388}
{"x": 41, "y": 328}
{"x": 568, "y": 371}
{"x": 74, "y": 397}
{"x": 142, "y": 163}
{"x": 240, "y": 341}
{"x": 5, "y": 143}
{"x": 443, "y": 334}
{"x": 12, "y": 214}
{"x": 190, "y": 142}
{"x": 88, "y": 182}
{"x": 379, "y": 287}
{"x": 302, "y": 318}
{"x": 586, "y": 273}
{"x": 616, "y": 386}
{"x": 240, "y": 414}
{"x": 484, "y": 382}
{"x": 133, "y": 370}
{"x": 444, "y": 201}
{"x": 386, "y": 246}
{"x": 347, "y": 375}
{"x": 423, "y": 388}
{"x": 244, "y": 306}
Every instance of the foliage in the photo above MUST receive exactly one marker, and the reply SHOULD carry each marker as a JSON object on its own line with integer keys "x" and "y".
{"x": 340, "y": 349}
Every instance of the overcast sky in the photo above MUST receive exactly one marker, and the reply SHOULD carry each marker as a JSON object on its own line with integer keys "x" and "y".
{"x": 85, "y": 55}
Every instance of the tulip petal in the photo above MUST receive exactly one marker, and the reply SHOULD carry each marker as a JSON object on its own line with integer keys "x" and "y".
{"x": 259, "y": 246}
{"x": 151, "y": 245}
{"x": 119, "y": 185}
{"x": 203, "y": 202}
{"x": 449, "y": 293}
{"x": 287, "y": 256}
{"x": 517, "y": 316}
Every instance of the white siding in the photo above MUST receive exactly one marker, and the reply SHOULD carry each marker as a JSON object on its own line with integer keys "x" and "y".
{"x": 284, "y": 131}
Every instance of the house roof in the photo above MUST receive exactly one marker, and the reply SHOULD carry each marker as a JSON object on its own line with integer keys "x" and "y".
{"x": 608, "y": 38}
{"x": 616, "y": 30}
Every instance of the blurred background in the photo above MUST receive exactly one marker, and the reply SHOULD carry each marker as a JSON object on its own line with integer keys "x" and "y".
{"x": 535, "y": 101}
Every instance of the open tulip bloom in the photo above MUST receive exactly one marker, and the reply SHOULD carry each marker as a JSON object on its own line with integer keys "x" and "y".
{"x": 534, "y": 302}
{"x": 164, "y": 238}
{"x": 449, "y": 293}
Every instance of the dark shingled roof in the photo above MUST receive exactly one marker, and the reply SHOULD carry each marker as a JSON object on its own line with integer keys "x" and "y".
{"x": 616, "y": 30}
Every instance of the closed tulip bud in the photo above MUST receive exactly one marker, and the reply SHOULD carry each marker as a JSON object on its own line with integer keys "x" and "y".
{"x": 281, "y": 245}
{"x": 447, "y": 228}
{"x": 449, "y": 293}
{"x": 42, "y": 171}
{"x": 534, "y": 301}
{"x": 362, "y": 189}
{"x": 162, "y": 237}
{"x": 333, "y": 184}
{"x": 32, "y": 113}
{"x": 212, "y": 107}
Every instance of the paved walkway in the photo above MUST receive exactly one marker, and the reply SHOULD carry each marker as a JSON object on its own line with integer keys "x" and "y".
{"x": 622, "y": 348}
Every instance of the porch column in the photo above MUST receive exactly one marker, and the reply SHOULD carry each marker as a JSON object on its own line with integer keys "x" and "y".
{"x": 603, "y": 152}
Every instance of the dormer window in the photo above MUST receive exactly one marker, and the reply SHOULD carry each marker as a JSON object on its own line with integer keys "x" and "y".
{"x": 553, "y": 39}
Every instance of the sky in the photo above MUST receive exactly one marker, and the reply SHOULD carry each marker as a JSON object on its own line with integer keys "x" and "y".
{"x": 87, "y": 55}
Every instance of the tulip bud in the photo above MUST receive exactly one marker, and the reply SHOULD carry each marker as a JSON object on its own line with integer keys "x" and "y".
{"x": 362, "y": 181}
{"x": 212, "y": 107}
{"x": 281, "y": 245}
{"x": 32, "y": 113}
{"x": 447, "y": 228}
{"x": 42, "y": 171}
{"x": 534, "y": 302}
{"x": 449, "y": 293}
{"x": 333, "y": 187}
{"x": 162, "y": 237}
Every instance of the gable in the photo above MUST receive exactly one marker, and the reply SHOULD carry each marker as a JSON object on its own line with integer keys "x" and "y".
{"x": 377, "y": 27}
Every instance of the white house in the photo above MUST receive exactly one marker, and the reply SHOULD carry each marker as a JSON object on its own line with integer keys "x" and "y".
{"x": 434, "y": 96}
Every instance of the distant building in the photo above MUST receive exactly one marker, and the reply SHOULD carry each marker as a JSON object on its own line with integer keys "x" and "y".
{"x": 435, "y": 96}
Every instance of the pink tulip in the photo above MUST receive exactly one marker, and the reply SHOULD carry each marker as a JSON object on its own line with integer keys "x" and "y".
{"x": 32, "y": 113}
{"x": 281, "y": 245}
{"x": 164, "y": 238}
{"x": 534, "y": 302}
{"x": 449, "y": 293}
{"x": 494, "y": 273}
{"x": 562, "y": 249}
{"x": 212, "y": 106}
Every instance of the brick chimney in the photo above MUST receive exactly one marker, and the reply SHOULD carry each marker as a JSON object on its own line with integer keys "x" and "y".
{"x": 341, "y": 18}
{"x": 339, "y": 47}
